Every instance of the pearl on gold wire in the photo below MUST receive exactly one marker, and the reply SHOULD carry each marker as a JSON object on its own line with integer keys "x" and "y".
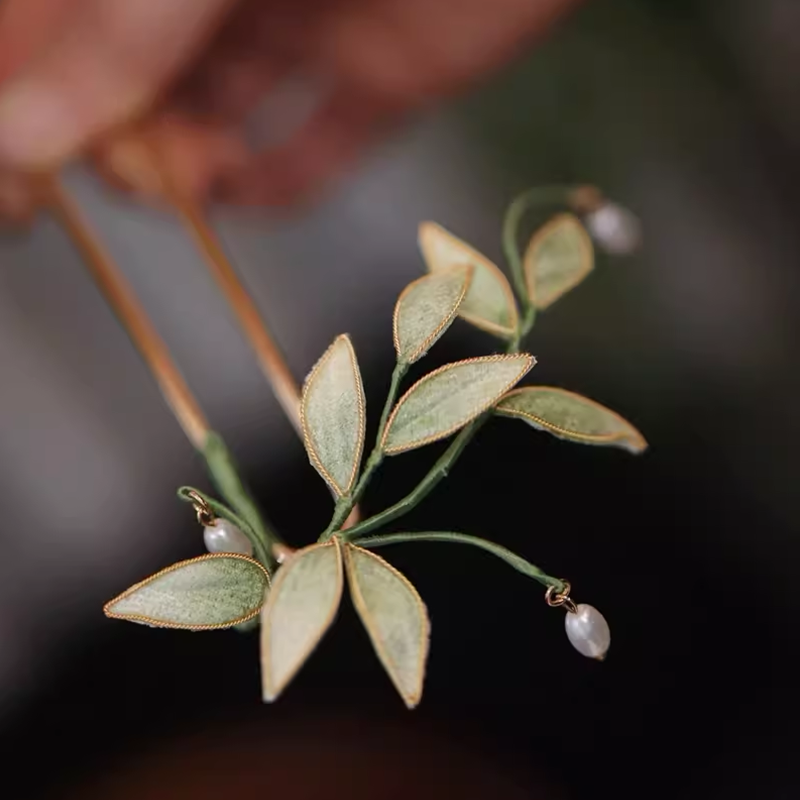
{"x": 222, "y": 536}
{"x": 587, "y": 629}
{"x": 219, "y": 535}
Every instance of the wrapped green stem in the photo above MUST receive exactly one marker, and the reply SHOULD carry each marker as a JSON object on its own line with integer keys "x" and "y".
{"x": 226, "y": 478}
{"x": 437, "y": 472}
{"x": 549, "y": 195}
{"x": 512, "y": 559}
{"x": 441, "y": 468}
{"x": 346, "y": 504}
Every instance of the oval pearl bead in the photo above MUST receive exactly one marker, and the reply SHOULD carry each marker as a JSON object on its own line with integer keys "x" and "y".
{"x": 225, "y": 537}
{"x": 588, "y": 632}
{"x": 615, "y": 229}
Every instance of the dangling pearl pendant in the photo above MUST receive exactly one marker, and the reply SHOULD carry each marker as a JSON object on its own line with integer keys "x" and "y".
{"x": 614, "y": 228}
{"x": 219, "y": 535}
{"x": 222, "y": 536}
{"x": 587, "y": 629}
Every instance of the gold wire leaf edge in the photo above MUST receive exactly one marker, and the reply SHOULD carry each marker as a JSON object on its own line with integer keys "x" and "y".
{"x": 269, "y": 691}
{"x": 478, "y": 322}
{"x": 411, "y": 700}
{"x": 446, "y": 321}
{"x": 631, "y": 435}
{"x": 529, "y": 362}
{"x": 529, "y": 266}
{"x": 183, "y": 626}
{"x": 359, "y": 386}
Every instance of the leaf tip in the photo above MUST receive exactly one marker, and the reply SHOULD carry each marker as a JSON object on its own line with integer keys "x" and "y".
{"x": 268, "y": 694}
{"x": 634, "y": 442}
{"x": 107, "y": 608}
{"x": 344, "y": 338}
{"x": 426, "y": 228}
{"x": 530, "y": 362}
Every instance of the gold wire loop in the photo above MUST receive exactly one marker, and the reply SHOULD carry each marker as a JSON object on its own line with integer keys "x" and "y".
{"x": 555, "y": 599}
{"x": 205, "y": 516}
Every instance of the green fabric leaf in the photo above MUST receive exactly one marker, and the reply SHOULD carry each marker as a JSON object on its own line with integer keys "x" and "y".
{"x": 450, "y": 397}
{"x": 395, "y": 618}
{"x": 218, "y": 590}
{"x": 558, "y": 258}
{"x": 300, "y": 609}
{"x": 425, "y": 310}
{"x": 489, "y": 303}
{"x": 333, "y": 416}
{"x": 571, "y": 416}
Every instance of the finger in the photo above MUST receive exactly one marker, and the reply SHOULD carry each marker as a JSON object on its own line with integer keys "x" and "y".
{"x": 228, "y": 86}
{"x": 241, "y": 65}
{"x": 25, "y": 27}
{"x": 17, "y": 200}
{"x": 323, "y": 148}
{"x": 109, "y": 63}
{"x": 423, "y": 51}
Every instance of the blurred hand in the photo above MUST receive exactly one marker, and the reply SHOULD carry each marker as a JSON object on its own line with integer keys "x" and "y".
{"x": 74, "y": 72}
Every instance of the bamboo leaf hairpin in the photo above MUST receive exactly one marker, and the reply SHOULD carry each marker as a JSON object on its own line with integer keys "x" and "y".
{"x": 249, "y": 574}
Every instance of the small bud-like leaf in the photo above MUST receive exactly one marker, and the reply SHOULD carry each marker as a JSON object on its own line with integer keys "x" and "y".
{"x": 333, "y": 417}
{"x": 300, "y": 609}
{"x": 213, "y": 591}
{"x": 558, "y": 258}
{"x": 489, "y": 303}
{"x": 450, "y": 397}
{"x": 571, "y": 416}
{"x": 395, "y": 618}
{"x": 425, "y": 310}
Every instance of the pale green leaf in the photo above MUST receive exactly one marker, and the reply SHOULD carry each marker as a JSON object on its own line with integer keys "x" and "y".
{"x": 489, "y": 303}
{"x": 450, "y": 397}
{"x": 395, "y": 618}
{"x": 571, "y": 416}
{"x": 218, "y": 590}
{"x": 425, "y": 310}
{"x": 300, "y": 609}
{"x": 558, "y": 258}
{"x": 333, "y": 417}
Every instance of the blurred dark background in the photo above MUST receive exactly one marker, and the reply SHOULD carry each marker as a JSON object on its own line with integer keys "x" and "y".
{"x": 686, "y": 111}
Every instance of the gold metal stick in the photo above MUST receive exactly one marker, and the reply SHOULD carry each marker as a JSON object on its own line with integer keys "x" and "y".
{"x": 275, "y": 368}
{"x": 114, "y": 286}
{"x": 273, "y": 364}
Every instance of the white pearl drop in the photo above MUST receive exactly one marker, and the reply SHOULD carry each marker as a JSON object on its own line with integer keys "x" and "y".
{"x": 588, "y": 632}
{"x": 615, "y": 229}
{"x": 225, "y": 537}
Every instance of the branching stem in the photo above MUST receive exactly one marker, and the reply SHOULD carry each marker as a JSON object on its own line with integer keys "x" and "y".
{"x": 511, "y": 558}
{"x": 544, "y": 195}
